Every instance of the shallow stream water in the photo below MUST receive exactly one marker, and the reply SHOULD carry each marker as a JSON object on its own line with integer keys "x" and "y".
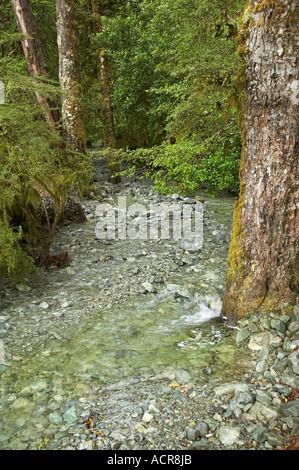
{"x": 141, "y": 338}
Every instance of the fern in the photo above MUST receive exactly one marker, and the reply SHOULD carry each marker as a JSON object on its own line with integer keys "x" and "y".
{"x": 33, "y": 165}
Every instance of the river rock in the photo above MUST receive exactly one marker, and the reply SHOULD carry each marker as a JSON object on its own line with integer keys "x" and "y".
{"x": 182, "y": 376}
{"x": 70, "y": 416}
{"x": 200, "y": 430}
{"x": 258, "y": 340}
{"x": 35, "y": 387}
{"x": 294, "y": 360}
{"x": 290, "y": 408}
{"x": 55, "y": 417}
{"x": 294, "y": 327}
{"x": 242, "y": 335}
{"x": 192, "y": 245}
{"x": 256, "y": 432}
{"x": 274, "y": 439}
{"x": 152, "y": 407}
{"x": 140, "y": 428}
{"x": 44, "y": 305}
{"x": 188, "y": 200}
{"x": 241, "y": 399}
{"x": 281, "y": 364}
{"x": 178, "y": 291}
{"x": 261, "y": 366}
{"x": 148, "y": 287}
{"x": 147, "y": 417}
{"x": 229, "y": 388}
{"x": 23, "y": 288}
{"x": 228, "y": 435}
{"x": 20, "y": 403}
{"x": 263, "y": 353}
{"x": 87, "y": 445}
{"x": 260, "y": 411}
{"x": 278, "y": 325}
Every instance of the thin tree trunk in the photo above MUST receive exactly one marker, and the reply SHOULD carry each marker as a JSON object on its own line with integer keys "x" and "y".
{"x": 107, "y": 112}
{"x": 70, "y": 75}
{"x": 33, "y": 54}
{"x": 264, "y": 258}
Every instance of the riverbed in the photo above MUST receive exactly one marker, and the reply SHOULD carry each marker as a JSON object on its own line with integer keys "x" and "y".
{"x": 125, "y": 346}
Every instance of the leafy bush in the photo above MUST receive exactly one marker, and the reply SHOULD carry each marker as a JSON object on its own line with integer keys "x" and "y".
{"x": 13, "y": 260}
{"x": 189, "y": 165}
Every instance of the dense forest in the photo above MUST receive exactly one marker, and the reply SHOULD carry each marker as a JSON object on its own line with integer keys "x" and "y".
{"x": 154, "y": 83}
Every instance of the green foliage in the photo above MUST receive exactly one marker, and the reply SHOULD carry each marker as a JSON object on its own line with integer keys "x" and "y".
{"x": 189, "y": 164}
{"x": 33, "y": 165}
{"x": 219, "y": 169}
{"x": 129, "y": 51}
{"x": 173, "y": 68}
{"x": 13, "y": 260}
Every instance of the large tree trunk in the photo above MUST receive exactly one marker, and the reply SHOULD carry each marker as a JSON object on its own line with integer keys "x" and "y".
{"x": 263, "y": 257}
{"x": 70, "y": 75}
{"x": 107, "y": 112}
{"x": 33, "y": 54}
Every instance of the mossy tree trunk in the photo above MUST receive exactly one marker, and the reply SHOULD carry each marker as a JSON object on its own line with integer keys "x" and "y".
{"x": 70, "y": 75}
{"x": 34, "y": 55}
{"x": 263, "y": 257}
{"x": 107, "y": 112}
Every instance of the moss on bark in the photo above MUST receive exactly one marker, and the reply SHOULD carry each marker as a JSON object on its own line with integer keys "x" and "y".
{"x": 262, "y": 272}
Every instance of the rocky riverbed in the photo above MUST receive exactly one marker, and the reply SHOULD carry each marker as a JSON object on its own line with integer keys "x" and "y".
{"x": 124, "y": 348}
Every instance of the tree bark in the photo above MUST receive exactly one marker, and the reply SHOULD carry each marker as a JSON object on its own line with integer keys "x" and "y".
{"x": 33, "y": 54}
{"x": 263, "y": 258}
{"x": 107, "y": 112}
{"x": 70, "y": 75}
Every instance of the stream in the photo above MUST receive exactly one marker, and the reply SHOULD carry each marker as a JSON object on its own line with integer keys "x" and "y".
{"x": 77, "y": 335}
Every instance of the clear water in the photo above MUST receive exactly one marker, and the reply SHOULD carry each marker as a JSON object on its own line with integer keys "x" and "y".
{"x": 136, "y": 341}
{"x": 142, "y": 338}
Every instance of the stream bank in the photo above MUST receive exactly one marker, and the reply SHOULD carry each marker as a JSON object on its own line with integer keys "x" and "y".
{"x": 124, "y": 349}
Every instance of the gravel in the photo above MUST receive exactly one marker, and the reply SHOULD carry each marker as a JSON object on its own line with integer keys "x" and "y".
{"x": 255, "y": 407}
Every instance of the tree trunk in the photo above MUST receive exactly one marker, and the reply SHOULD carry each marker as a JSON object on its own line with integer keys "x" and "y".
{"x": 33, "y": 54}
{"x": 263, "y": 257}
{"x": 107, "y": 112}
{"x": 70, "y": 75}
